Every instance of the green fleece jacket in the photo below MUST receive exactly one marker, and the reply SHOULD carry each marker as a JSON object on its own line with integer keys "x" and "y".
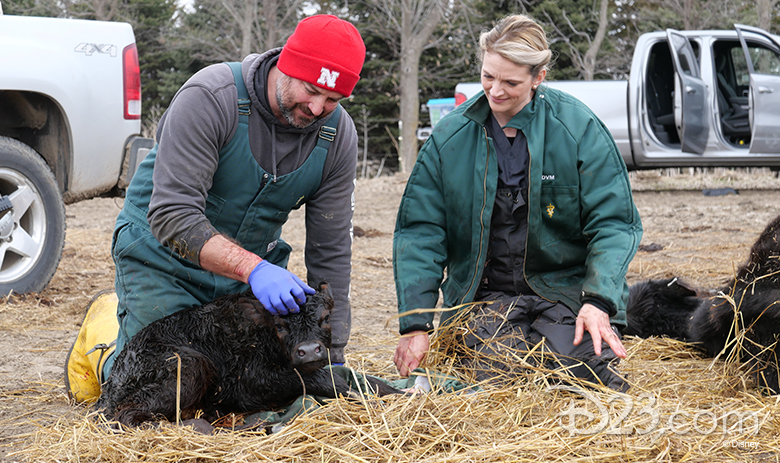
{"x": 583, "y": 226}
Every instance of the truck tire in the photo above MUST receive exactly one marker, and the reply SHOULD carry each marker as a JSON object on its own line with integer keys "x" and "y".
{"x": 32, "y": 220}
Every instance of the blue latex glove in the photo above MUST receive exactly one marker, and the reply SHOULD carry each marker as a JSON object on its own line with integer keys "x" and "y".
{"x": 280, "y": 291}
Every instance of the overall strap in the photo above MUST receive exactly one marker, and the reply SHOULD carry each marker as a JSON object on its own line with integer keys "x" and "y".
{"x": 243, "y": 95}
{"x": 328, "y": 131}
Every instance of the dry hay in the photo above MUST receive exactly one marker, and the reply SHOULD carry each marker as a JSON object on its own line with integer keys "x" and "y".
{"x": 680, "y": 408}
{"x": 518, "y": 423}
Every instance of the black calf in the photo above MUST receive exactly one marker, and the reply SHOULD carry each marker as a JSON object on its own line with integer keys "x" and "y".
{"x": 658, "y": 307}
{"x": 235, "y": 357}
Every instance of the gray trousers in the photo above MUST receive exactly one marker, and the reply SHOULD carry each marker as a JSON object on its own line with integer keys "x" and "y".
{"x": 504, "y": 336}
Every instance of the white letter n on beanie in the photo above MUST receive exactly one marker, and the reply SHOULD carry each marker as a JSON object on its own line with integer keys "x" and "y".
{"x": 328, "y": 77}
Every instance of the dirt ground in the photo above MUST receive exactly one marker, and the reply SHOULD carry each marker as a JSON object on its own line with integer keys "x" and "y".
{"x": 702, "y": 238}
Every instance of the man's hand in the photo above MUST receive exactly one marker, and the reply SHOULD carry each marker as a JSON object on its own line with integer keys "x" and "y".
{"x": 596, "y": 322}
{"x": 411, "y": 350}
{"x": 280, "y": 291}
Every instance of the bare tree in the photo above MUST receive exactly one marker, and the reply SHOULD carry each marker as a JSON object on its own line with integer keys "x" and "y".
{"x": 694, "y": 14}
{"x": 764, "y": 9}
{"x": 236, "y": 28}
{"x": 418, "y": 20}
{"x": 589, "y": 63}
{"x": 244, "y": 16}
{"x": 364, "y": 125}
{"x": 277, "y": 20}
{"x": 586, "y": 62}
{"x": 101, "y": 10}
{"x": 105, "y": 10}
{"x": 409, "y": 26}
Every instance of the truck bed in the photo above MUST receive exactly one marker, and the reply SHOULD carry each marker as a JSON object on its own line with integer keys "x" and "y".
{"x": 612, "y": 110}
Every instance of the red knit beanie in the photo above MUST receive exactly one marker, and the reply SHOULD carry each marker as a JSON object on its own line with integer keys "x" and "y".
{"x": 325, "y": 51}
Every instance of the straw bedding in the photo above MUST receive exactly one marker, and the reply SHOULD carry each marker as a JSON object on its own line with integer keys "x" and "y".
{"x": 681, "y": 407}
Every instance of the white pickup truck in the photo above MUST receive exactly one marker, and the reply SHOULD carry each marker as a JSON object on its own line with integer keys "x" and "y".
{"x": 693, "y": 99}
{"x": 70, "y": 107}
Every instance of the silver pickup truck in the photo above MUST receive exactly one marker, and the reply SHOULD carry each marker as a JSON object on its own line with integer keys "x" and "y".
{"x": 70, "y": 108}
{"x": 693, "y": 99}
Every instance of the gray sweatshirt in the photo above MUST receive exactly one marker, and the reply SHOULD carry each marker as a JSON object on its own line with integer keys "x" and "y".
{"x": 201, "y": 120}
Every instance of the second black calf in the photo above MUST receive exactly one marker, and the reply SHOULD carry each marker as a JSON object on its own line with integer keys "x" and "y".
{"x": 748, "y": 329}
{"x": 235, "y": 357}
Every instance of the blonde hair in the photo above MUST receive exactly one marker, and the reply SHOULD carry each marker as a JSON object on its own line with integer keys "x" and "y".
{"x": 520, "y": 40}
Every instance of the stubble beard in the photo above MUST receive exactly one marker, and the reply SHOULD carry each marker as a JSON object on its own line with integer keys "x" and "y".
{"x": 288, "y": 109}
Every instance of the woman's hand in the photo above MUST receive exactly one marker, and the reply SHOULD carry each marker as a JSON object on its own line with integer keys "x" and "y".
{"x": 411, "y": 351}
{"x": 596, "y": 322}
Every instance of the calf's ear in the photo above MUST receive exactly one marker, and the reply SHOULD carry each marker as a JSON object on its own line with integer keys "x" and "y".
{"x": 254, "y": 310}
{"x": 682, "y": 288}
{"x": 325, "y": 288}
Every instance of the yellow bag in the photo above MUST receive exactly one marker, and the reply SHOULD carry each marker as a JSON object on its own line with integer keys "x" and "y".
{"x": 95, "y": 342}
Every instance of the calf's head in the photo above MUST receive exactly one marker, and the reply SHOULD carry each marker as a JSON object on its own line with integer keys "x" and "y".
{"x": 305, "y": 336}
{"x": 764, "y": 263}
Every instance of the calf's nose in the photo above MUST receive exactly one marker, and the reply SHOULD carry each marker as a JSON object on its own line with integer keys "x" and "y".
{"x": 307, "y": 352}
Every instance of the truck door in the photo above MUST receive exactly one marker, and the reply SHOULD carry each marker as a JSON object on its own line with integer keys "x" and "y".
{"x": 690, "y": 95}
{"x": 763, "y": 63}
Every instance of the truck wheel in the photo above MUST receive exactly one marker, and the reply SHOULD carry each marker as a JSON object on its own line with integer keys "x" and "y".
{"x": 32, "y": 220}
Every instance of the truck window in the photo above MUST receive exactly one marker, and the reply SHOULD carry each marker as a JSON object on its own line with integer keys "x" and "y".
{"x": 689, "y": 64}
{"x": 733, "y": 85}
{"x": 659, "y": 94}
{"x": 765, "y": 61}
{"x": 659, "y": 89}
{"x": 741, "y": 78}
{"x": 730, "y": 66}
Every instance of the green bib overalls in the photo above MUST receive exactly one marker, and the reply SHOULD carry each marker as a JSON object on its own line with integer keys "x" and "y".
{"x": 152, "y": 281}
